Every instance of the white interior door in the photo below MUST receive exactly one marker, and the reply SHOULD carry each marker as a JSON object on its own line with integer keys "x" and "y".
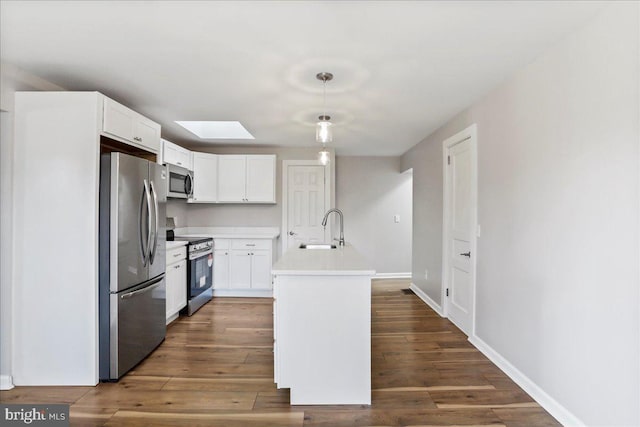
{"x": 460, "y": 235}
{"x": 305, "y": 204}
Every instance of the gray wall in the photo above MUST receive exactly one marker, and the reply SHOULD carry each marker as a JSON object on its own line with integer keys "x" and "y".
{"x": 370, "y": 191}
{"x": 558, "y": 202}
{"x": 12, "y": 79}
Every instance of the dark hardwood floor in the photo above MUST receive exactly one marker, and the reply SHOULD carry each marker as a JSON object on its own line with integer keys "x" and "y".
{"x": 216, "y": 369}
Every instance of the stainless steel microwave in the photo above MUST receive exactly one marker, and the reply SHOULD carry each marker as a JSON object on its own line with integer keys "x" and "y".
{"x": 180, "y": 183}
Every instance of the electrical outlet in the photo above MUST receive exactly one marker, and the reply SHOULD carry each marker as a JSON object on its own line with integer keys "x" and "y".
{"x": 426, "y": 274}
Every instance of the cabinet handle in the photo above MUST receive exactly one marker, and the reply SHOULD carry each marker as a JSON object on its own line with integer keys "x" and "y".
{"x": 176, "y": 255}
{"x": 135, "y": 138}
{"x": 176, "y": 266}
{"x": 251, "y": 244}
{"x": 179, "y": 164}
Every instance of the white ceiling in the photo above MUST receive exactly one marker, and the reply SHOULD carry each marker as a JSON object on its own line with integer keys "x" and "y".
{"x": 401, "y": 68}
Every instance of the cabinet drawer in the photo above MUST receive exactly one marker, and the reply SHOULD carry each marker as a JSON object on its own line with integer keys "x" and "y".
{"x": 221, "y": 243}
{"x": 250, "y": 244}
{"x": 176, "y": 254}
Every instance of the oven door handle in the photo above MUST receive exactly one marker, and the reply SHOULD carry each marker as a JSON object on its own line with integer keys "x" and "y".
{"x": 200, "y": 254}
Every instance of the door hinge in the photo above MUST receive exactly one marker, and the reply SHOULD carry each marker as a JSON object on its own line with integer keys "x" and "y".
{"x": 447, "y": 291}
{"x": 448, "y": 160}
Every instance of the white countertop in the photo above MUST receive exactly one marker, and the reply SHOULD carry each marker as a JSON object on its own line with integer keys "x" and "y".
{"x": 342, "y": 261}
{"x": 175, "y": 244}
{"x": 229, "y": 232}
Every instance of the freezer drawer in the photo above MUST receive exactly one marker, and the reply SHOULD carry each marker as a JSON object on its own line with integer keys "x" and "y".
{"x": 137, "y": 324}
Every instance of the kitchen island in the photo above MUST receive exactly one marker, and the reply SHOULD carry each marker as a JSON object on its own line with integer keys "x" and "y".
{"x": 322, "y": 326}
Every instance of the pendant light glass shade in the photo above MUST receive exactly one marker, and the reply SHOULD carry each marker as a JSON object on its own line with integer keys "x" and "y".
{"x": 323, "y": 127}
{"x": 323, "y": 131}
{"x": 324, "y": 157}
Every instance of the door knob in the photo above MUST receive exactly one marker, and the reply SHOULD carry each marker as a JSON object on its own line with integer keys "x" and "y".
{"x": 467, "y": 254}
{"x": 291, "y": 233}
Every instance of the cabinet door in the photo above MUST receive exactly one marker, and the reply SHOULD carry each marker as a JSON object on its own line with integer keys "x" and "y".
{"x": 261, "y": 178}
{"x": 181, "y": 288}
{"x": 221, "y": 269}
{"x": 205, "y": 178}
{"x": 172, "y": 279}
{"x": 231, "y": 178}
{"x": 261, "y": 269}
{"x": 147, "y": 133}
{"x": 240, "y": 269}
{"x": 176, "y": 155}
{"x": 118, "y": 120}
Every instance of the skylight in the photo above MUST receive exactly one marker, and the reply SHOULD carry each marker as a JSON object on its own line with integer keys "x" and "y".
{"x": 216, "y": 129}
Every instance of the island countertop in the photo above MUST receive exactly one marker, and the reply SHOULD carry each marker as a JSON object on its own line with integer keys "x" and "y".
{"x": 342, "y": 261}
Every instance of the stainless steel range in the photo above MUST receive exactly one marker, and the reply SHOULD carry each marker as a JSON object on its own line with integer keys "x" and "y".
{"x": 199, "y": 272}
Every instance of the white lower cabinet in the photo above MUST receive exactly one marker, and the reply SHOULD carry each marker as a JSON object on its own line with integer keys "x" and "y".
{"x": 242, "y": 267}
{"x": 221, "y": 269}
{"x": 261, "y": 269}
{"x": 176, "y": 278}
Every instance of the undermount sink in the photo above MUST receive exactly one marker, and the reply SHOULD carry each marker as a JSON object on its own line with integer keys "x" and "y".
{"x": 317, "y": 246}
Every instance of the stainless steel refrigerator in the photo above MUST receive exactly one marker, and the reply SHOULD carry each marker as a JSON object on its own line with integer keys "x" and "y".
{"x": 133, "y": 195}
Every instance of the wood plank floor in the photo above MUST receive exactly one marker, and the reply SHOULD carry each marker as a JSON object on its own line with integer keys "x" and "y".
{"x": 216, "y": 369}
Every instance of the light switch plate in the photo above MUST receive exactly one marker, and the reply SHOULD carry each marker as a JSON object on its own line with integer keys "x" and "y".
{"x": 396, "y": 218}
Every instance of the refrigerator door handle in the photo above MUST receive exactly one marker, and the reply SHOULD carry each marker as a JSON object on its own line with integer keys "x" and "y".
{"x": 157, "y": 282}
{"x": 148, "y": 199}
{"x": 155, "y": 234}
{"x": 143, "y": 250}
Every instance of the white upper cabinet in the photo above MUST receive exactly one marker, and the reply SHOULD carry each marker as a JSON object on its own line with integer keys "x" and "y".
{"x": 125, "y": 124}
{"x": 247, "y": 179}
{"x": 261, "y": 179}
{"x": 231, "y": 185}
{"x": 205, "y": 178}
{"x": 176, "y": 155}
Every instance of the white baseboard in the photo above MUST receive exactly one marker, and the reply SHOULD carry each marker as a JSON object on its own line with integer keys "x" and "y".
{"x": 6, "y": 382}
{"x": 552, "y": 406}
{"x": 173, "y": 317}
{"x": 243, "y": 293}
{"x": 424, "y": 297}
{"x": 393, "y": 275}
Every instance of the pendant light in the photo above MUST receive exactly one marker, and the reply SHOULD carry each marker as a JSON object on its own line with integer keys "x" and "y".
{"x": 324, "y": 156}
{"x": 324, "y": 132}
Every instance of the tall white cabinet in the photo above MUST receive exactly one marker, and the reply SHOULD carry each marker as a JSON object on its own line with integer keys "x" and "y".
{"x": 55, "y": 194}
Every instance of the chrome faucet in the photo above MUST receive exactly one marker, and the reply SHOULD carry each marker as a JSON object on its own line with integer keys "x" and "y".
{"x": 324, "y": 223}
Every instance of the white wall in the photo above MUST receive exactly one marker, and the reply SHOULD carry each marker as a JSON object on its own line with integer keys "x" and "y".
{"x": 12, "y": 79}
{"x": 558, "y": 202}
{"x": 370, "y": 191}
